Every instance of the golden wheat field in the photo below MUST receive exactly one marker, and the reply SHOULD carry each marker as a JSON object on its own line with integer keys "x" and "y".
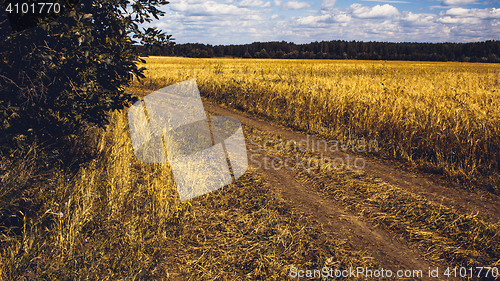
{"x": 116, "y": 218}
{"x": 442, "y": 117}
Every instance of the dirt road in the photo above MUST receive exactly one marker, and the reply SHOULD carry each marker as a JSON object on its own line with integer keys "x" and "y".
{"x": 389, "y": 250}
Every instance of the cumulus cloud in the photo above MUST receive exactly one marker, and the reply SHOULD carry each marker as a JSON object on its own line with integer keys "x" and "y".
{"x": 208, "y": 8}
{"x": 310, "y": 20}
{"x": 457, "y": 12}
{"x": 492, "y": 13}
{"x": 378, "y": 11}
{"x": 194, "y": 1}
{"x": 322, "y": 20}
{"x": 246, "y": 21}
{"x": 457, "y": 2}
{"x": 327, "y": 3}
{"x": 254, "y": 3}
{"x": 295, "y": 5}
{"x": 448, "y": 20}
{"x": 454, "y": 24}
{"x": 410, "y": 19}
{"x": 388, "y": 1}
{"x": 342, "y": 17}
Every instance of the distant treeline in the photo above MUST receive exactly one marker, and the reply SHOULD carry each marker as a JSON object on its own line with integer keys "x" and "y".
{"x": 488, "y": 51}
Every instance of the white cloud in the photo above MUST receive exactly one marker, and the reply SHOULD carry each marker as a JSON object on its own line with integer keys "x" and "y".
{"x": 388, "y": 1}
{"x": 492, "y": 13}
{"x": 457, "y": 2}
{"x": 448, "y": 20}
{"x": 253, "y": 18}
{"x": 231, "y": 22}
{"x": 342, "y": 17}
{"x": 378, "y": 11}
{"x": 327, "y": 3}
{"x": 457, "y": 12}
{"x": 194, "y": 1}
{"x": 311, "y": 20}
{"x": 295, "y": 5}
{"x": 254, "y": 3}
{"x": 410, "y": 19}
{"x": 322, "y": 20}
{"x": 208, "y": 8}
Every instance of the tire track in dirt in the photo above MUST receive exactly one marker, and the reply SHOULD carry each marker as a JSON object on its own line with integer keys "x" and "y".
{"x": 429, "y": 186}
{"x": 388, "y": 251}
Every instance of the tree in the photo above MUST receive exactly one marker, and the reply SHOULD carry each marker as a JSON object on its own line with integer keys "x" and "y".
{"x": 246, "y": 54}
{"x": 62, "y": 75}
{"x": 263, "y": 54}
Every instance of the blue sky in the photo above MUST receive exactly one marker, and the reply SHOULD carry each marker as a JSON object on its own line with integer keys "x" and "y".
{"x": 245, "y": 21}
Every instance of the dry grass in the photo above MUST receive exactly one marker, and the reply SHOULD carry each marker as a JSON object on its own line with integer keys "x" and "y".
{"x": 243, "y": 232}
{"x": 444, "y": 235}
{"x": 441, "y": 117}
{"x": 119, "y": 219}
{"x": 96, "y": 224}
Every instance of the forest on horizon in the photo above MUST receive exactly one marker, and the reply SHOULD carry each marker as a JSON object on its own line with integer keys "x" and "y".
{"x": 487, "y": 51}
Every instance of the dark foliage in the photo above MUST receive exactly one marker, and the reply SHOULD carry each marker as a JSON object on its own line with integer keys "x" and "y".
{"x": 63, "y": 75}
{"x": 488, "y": 51}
